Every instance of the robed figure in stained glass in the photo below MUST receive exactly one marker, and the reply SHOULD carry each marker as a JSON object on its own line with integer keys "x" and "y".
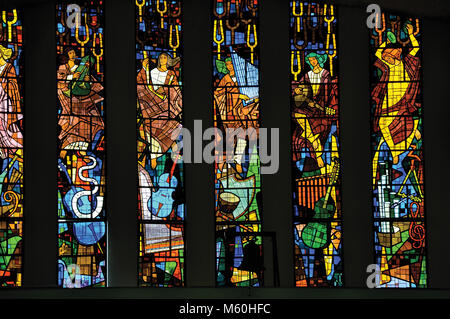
{"x": 236, "y": 108}
{"x": 315, "y": 98}
{"x": 231, "y": 102}
{"x": 10, "y": 107}
{"x": 395, "y": 94}
{"x": 160, "y": 105}
{"x": 78, "y": 92}
{"x": 316, "y": 174}
{"x": 236, "y": 105}
{"x": 397, "y": 155}
{"x": 160, "y": 99}
{"x": 82, "y": 146}
{"x": 11, "y": 162}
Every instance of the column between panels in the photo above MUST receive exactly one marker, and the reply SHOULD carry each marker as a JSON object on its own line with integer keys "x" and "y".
{"x": 120, "y": 89}
{"x": 437, "y": 148}
{"x": 200, "y": 245}
{"x": 40, "y": 195}
{"x": 355, "y": 145}
{"x": 275, "y": 113}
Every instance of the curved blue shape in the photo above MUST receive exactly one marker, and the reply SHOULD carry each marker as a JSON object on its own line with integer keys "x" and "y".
{"x": 89, "y": 233}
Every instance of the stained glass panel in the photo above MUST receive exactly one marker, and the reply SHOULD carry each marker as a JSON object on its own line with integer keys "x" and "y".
{"x": 81, "y": 145}
{"x": 235, "y": 51}
{"x": 315, "y": 145}
{"x": 11, "y": 149}
{"x": 397, "y": 152}
{"x": 159, "y": 61}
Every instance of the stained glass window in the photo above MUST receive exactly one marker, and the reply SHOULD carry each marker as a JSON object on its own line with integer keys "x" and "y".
{"x": 237, "y": 171}
{"x": 315, "y": 145}
{"x": 11, "y": 148}
{"x": 81, "y": 144}
{"x": 160, "y": 166}
{"x": 397, "y": 152}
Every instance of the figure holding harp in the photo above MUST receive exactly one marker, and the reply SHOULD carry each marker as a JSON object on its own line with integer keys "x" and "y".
{"x": 236, "y": 98}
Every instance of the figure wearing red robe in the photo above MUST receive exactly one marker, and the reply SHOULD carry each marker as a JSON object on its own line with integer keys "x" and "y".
{"x": 80, "y": 120}
{"x": 11, "y": 138}
{"x": 395, "y": 96}
{"x": 160, "y": 101}
{"x": 316, "y": 105}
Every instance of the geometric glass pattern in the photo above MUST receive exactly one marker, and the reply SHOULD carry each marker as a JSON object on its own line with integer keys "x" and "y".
{"x": 161, "y": 200}
{"x": 235, "y": 49}
{"x": 316, "y": 186}
{"x": 397, "y": 152}
{"x": 11, "y": 148}
{"x": 81, "y": 145}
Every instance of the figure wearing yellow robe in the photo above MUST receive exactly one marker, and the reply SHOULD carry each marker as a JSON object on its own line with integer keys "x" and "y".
{"x": 395, "y": 97}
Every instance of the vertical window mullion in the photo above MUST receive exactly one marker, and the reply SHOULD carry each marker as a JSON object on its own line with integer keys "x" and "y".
{"x": 40, "y": 265}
